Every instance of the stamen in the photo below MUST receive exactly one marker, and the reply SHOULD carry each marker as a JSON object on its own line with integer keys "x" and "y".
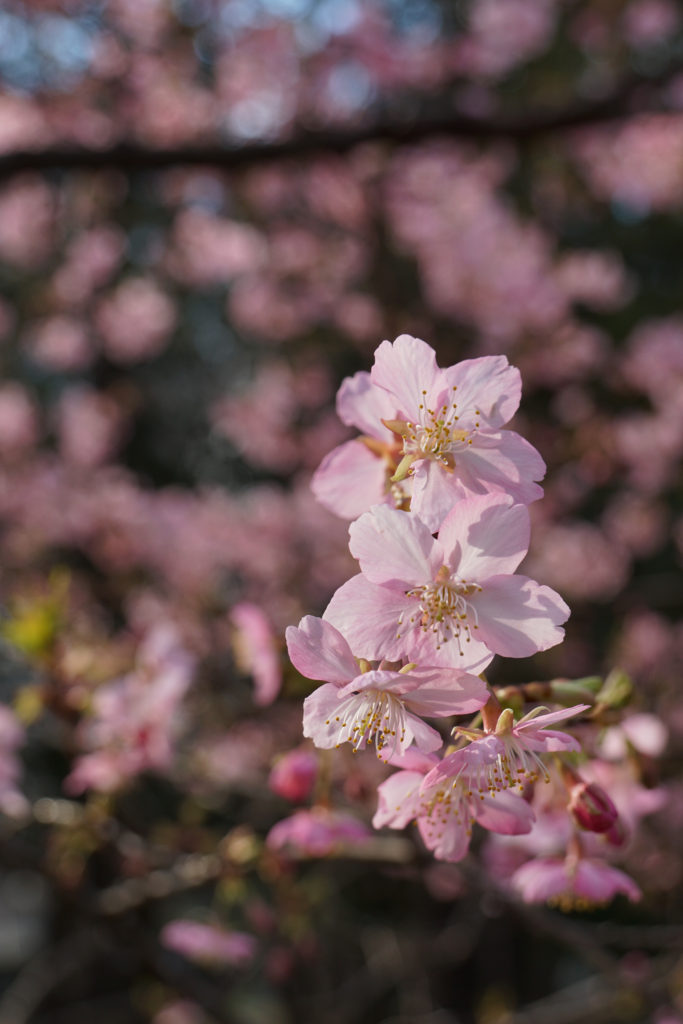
{"x": 444, "y": 609}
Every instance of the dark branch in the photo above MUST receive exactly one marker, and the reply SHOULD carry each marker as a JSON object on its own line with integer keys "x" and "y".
{"x": 635, "y": 93}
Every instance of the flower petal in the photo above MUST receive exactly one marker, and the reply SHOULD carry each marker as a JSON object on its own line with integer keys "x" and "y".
{"x": 319, "y": 651}
{"x": 426, "y": 738}
{"x": 501, "y": 462}
{"x": 435, "y": 492}
{"x": 350, "y": 479}
{"x": 394, "y": 547}
{"x": 448, "y": 839}
{"x": 485, "y": 536}
{"x": 533, "y": 721}
{"x": 360, "y": 403}
{"x": 489, "y": 386}
{"x": 505, "y": 813}
{"x": 367, "y": 616}
{"x": 407, "y": 370}
{"x": 422, "y": 647}
{"x": 321, "y": 718}
{"x": 399, "y": 799}
{"x": 442, "y": 693}
{"x": 597, "y": 881}
{"x": 518, "y": 617}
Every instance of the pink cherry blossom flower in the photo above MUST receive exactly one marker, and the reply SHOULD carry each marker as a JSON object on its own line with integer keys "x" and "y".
{"x": 316, "y": 832}
{"x": 574, "y": 882}
{"x": 510, "y": 755}
{"x": 447, "y": 806}
{"x": 357, "y": 474}
{"x": 450, "y": 601}
{"x": 206, "y": 942}
{"x": 360, "y": 704}
{"x": 449, "y": 421}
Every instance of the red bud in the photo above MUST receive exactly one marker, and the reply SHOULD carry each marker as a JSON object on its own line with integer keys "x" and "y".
{"x": 592, "y": 808}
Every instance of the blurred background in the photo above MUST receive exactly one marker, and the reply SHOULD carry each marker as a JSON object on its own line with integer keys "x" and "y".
{"x": 210, "y": 213}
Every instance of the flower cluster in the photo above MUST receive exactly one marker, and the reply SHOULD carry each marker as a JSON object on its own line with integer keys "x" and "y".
{"x": 438, "y": 491}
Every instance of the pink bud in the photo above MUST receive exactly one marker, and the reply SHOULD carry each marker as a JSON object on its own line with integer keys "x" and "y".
{"x": 293, "y": 776}
{"x": 592, "y": 808}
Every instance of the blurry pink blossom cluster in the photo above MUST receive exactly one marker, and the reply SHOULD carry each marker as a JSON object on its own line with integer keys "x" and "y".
{"x": 438, "y": 489}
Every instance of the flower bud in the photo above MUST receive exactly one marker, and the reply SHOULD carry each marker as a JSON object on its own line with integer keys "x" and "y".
{"x": 591, "y": 807}
{"x": 294, "y": 775}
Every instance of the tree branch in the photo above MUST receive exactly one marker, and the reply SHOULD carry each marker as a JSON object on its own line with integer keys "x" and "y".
{"x": 635, "y": 93}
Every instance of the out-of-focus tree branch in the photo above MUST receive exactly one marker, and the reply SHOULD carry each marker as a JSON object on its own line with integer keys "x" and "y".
{"x": 635, "y": 93}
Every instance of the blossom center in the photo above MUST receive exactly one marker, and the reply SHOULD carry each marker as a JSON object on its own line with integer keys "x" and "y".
{"x": 371, "y": 715}
{"x": 514, "y": 766}
{"x": 444, "y": 609}
{"x": 437, "y": 436}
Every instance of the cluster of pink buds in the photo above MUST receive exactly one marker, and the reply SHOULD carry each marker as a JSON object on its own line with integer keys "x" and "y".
{"x": 438, "y": 491}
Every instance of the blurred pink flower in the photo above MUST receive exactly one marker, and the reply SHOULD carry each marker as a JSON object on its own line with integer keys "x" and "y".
{"x": 135, "y": 321}
{"x": 316, "y": 833}
{"x": 646, "y": 733}
{"x": 595, "y": 278}
{"x": 19, "y": 425}
{"x": 12, "y": 737}
{"x": 90, "y": 426}
{"x": 180, "y": 1011}
{"x": 294, "y": 774}
{"x": 578, "y": 559}
{"x": 653, "y": 363}
{"x": 572, "y": 882}
{"x": 445, "y": 211}
{"x": 26, "y": 221}
{"x": 638, "y": 162}
{"x": 135, "y": 718}
{"x": 209, "y": 943}
{"x": 89, "y": 262}
{"x": 257, "y": 651}
{"x": 502, "y": 35}
{"x": 61, "y": 343}
{"x": 648, "y": 22}
{"x": 207, "y": 249}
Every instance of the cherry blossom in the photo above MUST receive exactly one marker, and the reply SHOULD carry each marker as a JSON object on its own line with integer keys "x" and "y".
{"x": 360, "y": 704}
{"x": 449, "y": 601}
{"x": 509, "y": 755}
{"x": 447, "y": 807}
{"x": 208, "y": 943}
{"x": 449, "y": 422}
{"x": 316, "y": 832}
{"x": 430, "y": 433}
{"x": 573, "y": 882}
